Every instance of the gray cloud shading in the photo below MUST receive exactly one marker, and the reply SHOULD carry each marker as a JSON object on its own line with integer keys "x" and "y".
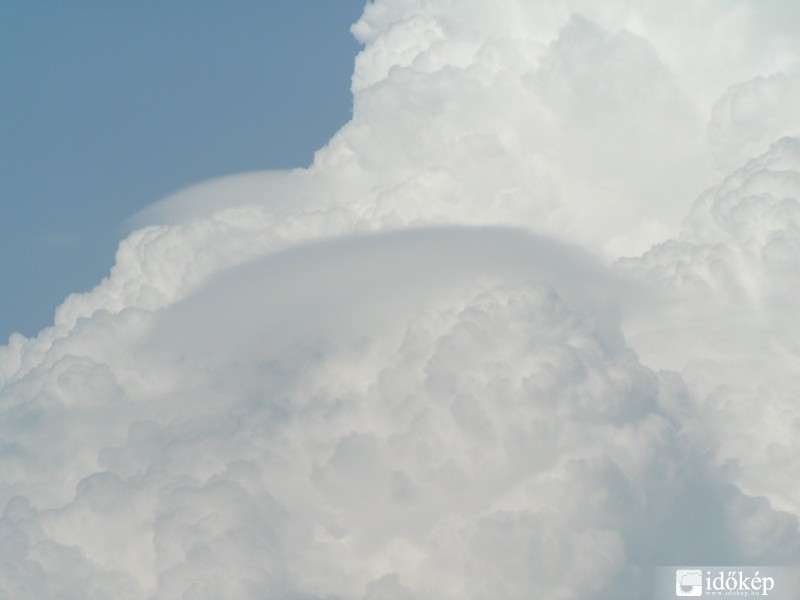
{"x": 486, "y": 346}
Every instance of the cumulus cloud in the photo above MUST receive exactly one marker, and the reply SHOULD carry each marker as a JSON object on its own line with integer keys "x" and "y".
{"x": 728, "y": 319}
{"x": 488, "y": 345}
{"x": 753, "y": 114}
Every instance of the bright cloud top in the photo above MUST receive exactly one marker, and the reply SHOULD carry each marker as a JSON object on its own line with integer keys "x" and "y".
{"x": 421, "y": 368}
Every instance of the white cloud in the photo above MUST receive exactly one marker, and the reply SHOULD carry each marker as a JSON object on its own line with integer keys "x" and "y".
{"x": 753, "y": 114}
{"x": 405, "y": 372}
{"x": 729, "y": 318}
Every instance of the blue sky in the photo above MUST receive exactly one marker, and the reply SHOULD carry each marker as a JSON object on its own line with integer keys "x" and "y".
{"x": 107, "y": 107}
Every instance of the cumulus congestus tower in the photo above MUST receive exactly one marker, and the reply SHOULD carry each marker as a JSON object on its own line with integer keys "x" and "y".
{"x": 524, "y": 329}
